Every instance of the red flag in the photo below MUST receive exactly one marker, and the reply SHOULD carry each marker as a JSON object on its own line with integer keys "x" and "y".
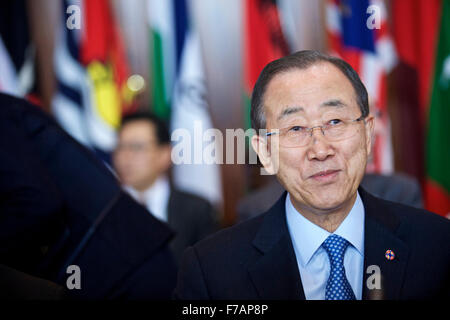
{"x": 264, "y": 42}
{"x": 416, "y": 26}
{"x": 103, "y": 54}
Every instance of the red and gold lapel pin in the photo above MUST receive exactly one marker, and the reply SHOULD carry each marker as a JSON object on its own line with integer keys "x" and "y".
{"x": 390, "y": 255}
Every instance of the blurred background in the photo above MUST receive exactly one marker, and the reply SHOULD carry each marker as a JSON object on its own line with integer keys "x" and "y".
{"x": 88, "y": 63}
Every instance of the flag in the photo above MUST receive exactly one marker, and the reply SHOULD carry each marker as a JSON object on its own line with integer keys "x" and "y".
{"x": 179, "y": 83}
{"x": 296, "y": 18}
{"x": 369, "y": 49}
{"x": 437, "y": 187}
{"x": 91, "y": 71}
{"x": 163, "y": 40}
{"x": 415, "y": 28}
{"x": 263, "y": 42}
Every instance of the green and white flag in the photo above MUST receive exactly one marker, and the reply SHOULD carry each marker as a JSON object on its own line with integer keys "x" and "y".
{"x": 179, "y": 82}
{"x": 162, "y": 55}
{"x": 437, "y": 187}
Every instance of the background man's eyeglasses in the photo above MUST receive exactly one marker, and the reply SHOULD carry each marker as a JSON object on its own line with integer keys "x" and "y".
{"x": 135, "y": 147}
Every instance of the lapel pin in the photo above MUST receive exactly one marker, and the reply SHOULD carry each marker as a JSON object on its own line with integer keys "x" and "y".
{"x": 390, "y": 255}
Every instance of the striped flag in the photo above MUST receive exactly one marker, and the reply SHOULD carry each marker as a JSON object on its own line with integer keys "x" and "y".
{"x": 179, "y": 94}
{"x": 91, "y": 72}
{"x": 358, "y": 32}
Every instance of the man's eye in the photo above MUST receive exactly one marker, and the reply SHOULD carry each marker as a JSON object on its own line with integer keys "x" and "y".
{"x": 297, "y": 128}
{"x": 335, "y": 122}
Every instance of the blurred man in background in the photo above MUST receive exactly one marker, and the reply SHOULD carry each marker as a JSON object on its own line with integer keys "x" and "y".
{"x": 142, "y": 160}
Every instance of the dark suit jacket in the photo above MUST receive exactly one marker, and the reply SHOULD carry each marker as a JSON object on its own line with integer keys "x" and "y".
{"x": 191, "y": 218}
{"x": 60, "y": 205}
{"x": 256, "y": 259}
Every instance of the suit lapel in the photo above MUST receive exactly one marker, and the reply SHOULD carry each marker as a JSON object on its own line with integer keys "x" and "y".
{"x": 275, "y": 274}
{"x": 171, "y": 207}
{"x": 382, "y": 228}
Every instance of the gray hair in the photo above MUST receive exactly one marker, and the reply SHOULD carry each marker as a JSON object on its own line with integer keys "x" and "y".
{"x": 301, "y": 60}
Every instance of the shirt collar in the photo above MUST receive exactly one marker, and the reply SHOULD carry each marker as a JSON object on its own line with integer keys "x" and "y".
{"x": 158, "y": 190}
{"x": 155, "y": 198}
{"x": 352, "y": 228}
{"x": 308, "y": 237}
{"x": 160, "y": 185}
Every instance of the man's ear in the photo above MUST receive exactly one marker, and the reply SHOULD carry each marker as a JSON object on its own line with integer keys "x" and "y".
{"x": 370, "y": 138}
{"x": 261, "y": 148}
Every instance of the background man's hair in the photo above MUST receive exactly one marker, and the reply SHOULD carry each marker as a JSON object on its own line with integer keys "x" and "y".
{"x": 301, "y": 60}
{"x": 161, "y": 128}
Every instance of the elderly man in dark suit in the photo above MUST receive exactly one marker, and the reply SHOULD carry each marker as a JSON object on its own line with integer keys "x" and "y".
{"x": 326, "y": 237}
{"x": 142, "y": 160}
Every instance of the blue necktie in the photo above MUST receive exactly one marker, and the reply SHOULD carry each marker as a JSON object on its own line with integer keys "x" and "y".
{"x": 338, "y": 287}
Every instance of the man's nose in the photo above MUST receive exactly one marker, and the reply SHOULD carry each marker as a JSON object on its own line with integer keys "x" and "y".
{"x": 319, "y": 148}
{"x": 124, "y": 155}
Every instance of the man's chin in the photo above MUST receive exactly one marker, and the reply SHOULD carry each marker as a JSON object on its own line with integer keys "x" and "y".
{"x": 326, "y": 200}
{"x": 323, "y": 204}
{"x": 325, "y": 192}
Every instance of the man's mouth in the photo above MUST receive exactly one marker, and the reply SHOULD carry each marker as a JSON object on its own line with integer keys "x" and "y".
{"x": 325, "y": 176}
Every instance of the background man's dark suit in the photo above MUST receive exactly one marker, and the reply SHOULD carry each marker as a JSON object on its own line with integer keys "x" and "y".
{"x": 191, "y": 218}
{"x": 59, "y": 206}
{"x": 256, "y": 259}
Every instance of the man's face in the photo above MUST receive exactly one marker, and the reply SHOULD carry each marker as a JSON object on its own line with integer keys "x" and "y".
{"x": 139, "y": 159}
{"x": 321, "y": 175}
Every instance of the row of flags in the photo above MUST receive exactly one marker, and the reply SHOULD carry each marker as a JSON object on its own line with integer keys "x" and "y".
{"x": 91, "y": 70}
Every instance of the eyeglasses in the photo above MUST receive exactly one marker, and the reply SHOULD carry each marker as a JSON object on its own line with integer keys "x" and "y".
{"x": 134, "y": 147}
{"x": 333, "y": 130}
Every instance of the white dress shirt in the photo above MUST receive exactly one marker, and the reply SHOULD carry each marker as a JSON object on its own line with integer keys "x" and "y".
{"x": 155, "y": 198}
{"x": 312, "y": 259}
